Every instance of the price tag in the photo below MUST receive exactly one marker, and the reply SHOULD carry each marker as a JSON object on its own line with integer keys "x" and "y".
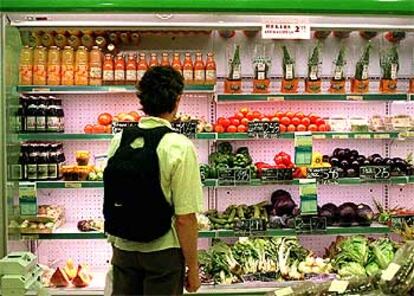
{"x": 284, "y": 292}
{"x": 30, "y": 236}
{"x": 116, "y": 89}
{"x": 188, "y": 128}
{"x": 339, "y": 136}
{"x": 40, "y": 89}
{"x": 265, "y": 130}
{"x": 338, "y": 286}
{"x": 286, "y": 30}
{"x": 234, "y": 176}
{"x": 390, "y": 272}
{"x": 250, "y": 227}
{"x": 354, "y": 98}
{"x": 319, "y": 136}
{"x": 378, "y": 172}
{"x": 117, "y": 127}
{"x": 310, "y": 225}
{"x": 271, "y": 175}
{"x": 382, "y": 136}
{"x": 275, "y": 98}
{"x": 323, "y": 174}
{"x": 28, "y": 199}
{"x": 362, "y": 136}
{"x": 73, "y": 185}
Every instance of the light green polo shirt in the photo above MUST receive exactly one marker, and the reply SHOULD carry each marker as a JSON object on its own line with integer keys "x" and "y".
{"x": 180, "y": 182}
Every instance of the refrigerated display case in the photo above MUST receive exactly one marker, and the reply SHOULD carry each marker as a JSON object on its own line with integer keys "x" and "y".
{"x": 339, "y": 139}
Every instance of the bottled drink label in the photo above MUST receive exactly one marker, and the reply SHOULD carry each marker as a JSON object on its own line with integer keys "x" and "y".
{"x": 31, "y": 170}
{"x": 81, "y": 75}
{"x": 61, "y": 124}
{"x": 53, "y": 75}
{"x": 108, "y": 75}
{"x": 119, "y": 75}
{"x": 53, "y": 124}
{"x": 394, "y": 68}
{"x": 40, "y": 123}
{"x": 17, "y": 172}
{"x": 199, "y": 75}
{"x": 140, "y": 74}
{"x": 95, "y": 72}
{"x": 31, "y": 123}
{"x": 339, "y": 70}
{"x": 210, "y": 74}
{"x": 131, "y": 75}
{"x": 42, "y": 171}
{"x": 289, "y": 71}
{"x": 365, "y": 72}
{"x": 188, "y": 74}
{"x": 39, "y": 74}
{"x": 314, "y": 73}
{"x": 52, "y": 171}
{"x": 67, "y": 74}
{"x": 236, "y": 72}
{"x": 26, "y": 74}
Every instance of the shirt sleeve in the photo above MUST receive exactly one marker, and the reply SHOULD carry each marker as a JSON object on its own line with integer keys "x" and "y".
{"x": 187, "y": 192}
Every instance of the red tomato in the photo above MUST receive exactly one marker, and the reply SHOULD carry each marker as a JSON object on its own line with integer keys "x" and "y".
{"x": 224, "y": 122}
{"x": 108, "y": 129}
{"x": 299, "y": 115}
{"x": 235, "y": 121}
{"x": 279, "y": 114}
{"x": 290, "y": 114}
{"x": 313, "y": 117}
{"x": 312, "y": 128}
{"x": 291, "y": 128}
{"x": 301, "y": 128}
{"x": 281, "y": 166}
{"x": 285, "y": 120}
{"x": 257, "y": 114}
{"x": 98, "y": 129}
{"x": 244, "y": 121}
{"x": 265, "y": 119}
{"x": 328, "y": 127}
{"x": 239, "y": 115}
{"x": 295, "y": 120}
{"x": 275, "y": 119}
{"x": 135, "y": 115}
{"x": 219, "y": 128}
{"x": 282, "y": 128}
{"x": 244, "y": 110}
{"x": 242, "y": 128}
{"x": 250, "y": 116}
{"x": 305, "y": 121}
{"x": 322, "y": 128}
{"x": 319, "y": 121}
{"x": 105, "y": 118}
{"x": 231, "y": 129}
{"x": 88, "y": 129}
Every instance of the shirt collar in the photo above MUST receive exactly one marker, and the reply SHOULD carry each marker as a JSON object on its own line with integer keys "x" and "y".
{"x": 148, "y": 121}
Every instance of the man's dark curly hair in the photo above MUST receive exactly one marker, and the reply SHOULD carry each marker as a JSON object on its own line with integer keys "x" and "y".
{"x": 159, "y": 90}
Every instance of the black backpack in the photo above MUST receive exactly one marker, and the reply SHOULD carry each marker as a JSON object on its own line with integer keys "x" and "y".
{"x": 135, "y": 207}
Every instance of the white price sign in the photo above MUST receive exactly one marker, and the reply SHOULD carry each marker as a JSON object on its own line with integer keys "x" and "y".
{"x": 285, "y": 30}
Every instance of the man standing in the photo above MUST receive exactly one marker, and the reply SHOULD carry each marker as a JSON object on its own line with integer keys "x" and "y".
{"x": 152, "y": 192}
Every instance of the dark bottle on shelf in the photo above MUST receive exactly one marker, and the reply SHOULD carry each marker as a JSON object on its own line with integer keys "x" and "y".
{"x": 235, "y": 65}
{"x": 52, "y": 116}
{"x": 42, "y": 161}
{"x": 24, "y": 148}
{"x": 31, "y": 116}
{"x": 41, "y": 115}
{"x": 60, "y": 115}
{"x": 20, "y": 118}
{"x": 31, "y": 164}
{"x": 61, "y": 159}
{"x": 53, "y": 164}
{"x": 16, "y": 172}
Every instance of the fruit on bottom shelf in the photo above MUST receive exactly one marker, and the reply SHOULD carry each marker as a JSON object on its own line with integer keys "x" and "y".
{"x": 79, "y": 277}
{"x": 91, "y": 225}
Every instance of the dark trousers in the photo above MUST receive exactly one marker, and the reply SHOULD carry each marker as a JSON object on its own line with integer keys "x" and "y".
{"x": 154, "y": 273}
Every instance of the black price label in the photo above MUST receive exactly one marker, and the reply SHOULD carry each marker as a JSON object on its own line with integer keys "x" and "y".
{"x": 250, "y": 227}
{"x": 310, "y": 225}
{"x": 265, "y": 130}
{"x": 323, "y": 175}
{"x": 188, "y": 128}
{"x": 398, "y": 221}
{"x": 377, "y": 172}
{"x": 120, "y": 125}
{"x": 203, "y": 174}
{"x": 273, "y": 175}
{"x": 234, "y": 176}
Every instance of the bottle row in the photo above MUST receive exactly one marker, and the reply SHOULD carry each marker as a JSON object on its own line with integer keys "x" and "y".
{"x": 40, "y": 114}
{"x": 39, "y": 161}
{"x": 41, "y": 66}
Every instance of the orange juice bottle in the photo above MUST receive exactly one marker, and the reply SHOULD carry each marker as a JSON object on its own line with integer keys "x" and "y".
{"x": 95, "y": 66}
{"x": 68, "y": 66}
{"x": 188, "y": 69}
{"x": 176, "y": 63}
{"x": 211, "y": 71}
{"x": 199, "y": 69}
{"x": 119, "y": 69}
{"x": 60, "y": 40}
{"x": 53, "y": 66}
{"x": 39, "y": 65}
{"x": 74, "y": 41}
{"x": 108, "y": 69}
{"x": 81, "y": 66}
{"x": 131, "y": 68}
{"x": 142, "y": 66}
{"x": 26, "y": 66}
{"x": 48, "y": 39}
{"x": 165, "y": 61}
{"x": 153, "y": 60}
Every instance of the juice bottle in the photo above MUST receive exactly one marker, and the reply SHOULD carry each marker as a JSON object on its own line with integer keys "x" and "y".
{"x": 211, "y": 68}
{"x": 176, "y": 63}
{"x": 68, "y": 66}
{"x": 188, "y": 69}
{"x": 125, "y": 37}
{"x": 131, "y": 68}
{"x": 119, "y": 69}
{"x": 81, "y": 66}
{"x": 34, "y": 39}
{"x": 87, "y": 40}
{"x": 48, "y": 39}
{"x": 95, "y": 66}
{"x": 165, "y": 61}
{"x": 26, "y": 66}
{"x": 74, "y": 41}
{"x": 53, "y": 66}
{"x": 60, "y": 40}
{"x": 135, "y": 38}
{"x": 41, "y": 115}
{"x": 113, "y": 38}
{"x": 108, "y": 69}
{"x": 199, "y": 69}
{"x": 39, "y": 65}
{"x": 100, "y": 41}
{"x": 153, "y": 60}
{"x": 142, "y": 66}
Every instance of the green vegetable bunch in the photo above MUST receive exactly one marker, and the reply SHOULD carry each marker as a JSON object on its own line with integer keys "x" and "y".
{"x": 287, "y": 62}
{"x": 363, "y": 63}
{"x": 314, "y": 61}
{"x": 389, "y": 60}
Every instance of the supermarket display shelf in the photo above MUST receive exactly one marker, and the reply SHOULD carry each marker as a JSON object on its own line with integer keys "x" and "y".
{"x": 311, "y": 97}
{"x": 100, "y": 89}
{"x": 68, "y": 232}
{"x": 397, "y": 180}
{"x": 219, "y": 136}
